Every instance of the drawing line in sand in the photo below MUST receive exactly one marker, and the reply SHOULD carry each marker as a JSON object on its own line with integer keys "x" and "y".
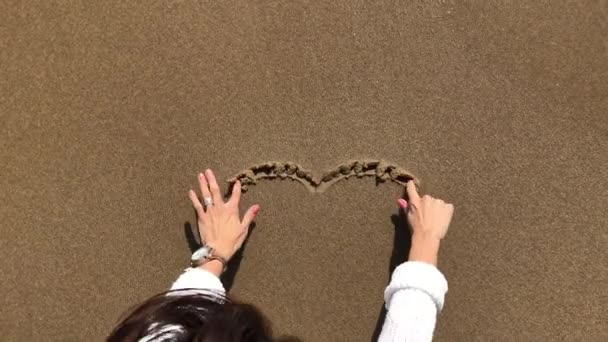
{"x": 381, "y": 170}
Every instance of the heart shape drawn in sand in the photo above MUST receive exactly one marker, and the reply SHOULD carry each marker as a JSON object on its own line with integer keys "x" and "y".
{"x": 381, "y": 170}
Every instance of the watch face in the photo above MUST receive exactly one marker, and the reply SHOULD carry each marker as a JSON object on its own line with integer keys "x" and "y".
{"x": 201, "y": 253}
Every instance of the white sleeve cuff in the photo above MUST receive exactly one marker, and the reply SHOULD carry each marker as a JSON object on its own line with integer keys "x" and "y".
{"x": 420, "y": 276}
{"x": 197, "y": 278}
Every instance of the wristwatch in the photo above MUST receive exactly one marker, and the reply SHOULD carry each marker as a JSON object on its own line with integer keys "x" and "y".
{"x": 205, "y": 254}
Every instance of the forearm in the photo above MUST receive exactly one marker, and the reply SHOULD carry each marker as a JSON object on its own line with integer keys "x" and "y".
{"x": 413, "y": 298}
{"x": 411, "y": 317}
{"x": 424, "y": 248}
{"x": 214, "y": 266}
{"x": 204, "y": 277}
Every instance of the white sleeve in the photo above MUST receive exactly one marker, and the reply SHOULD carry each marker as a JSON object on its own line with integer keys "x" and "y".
{"x": 197, "y": 278}
{"x": 413, "y": 298}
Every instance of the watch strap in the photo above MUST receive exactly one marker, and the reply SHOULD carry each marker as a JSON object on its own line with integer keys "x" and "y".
{"x": 202, "y": 261}
{"x": 218, "y": 258}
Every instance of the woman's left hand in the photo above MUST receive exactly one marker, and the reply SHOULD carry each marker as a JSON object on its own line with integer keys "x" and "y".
{"x": 219, "y": 223}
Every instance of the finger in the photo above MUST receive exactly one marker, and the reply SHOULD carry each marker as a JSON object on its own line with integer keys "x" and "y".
{"x": 412, "y": 193}
{"x": 402, "y": 203}
{"x": 236, "y": 194}
{"x": 250, "y": 215}
{"x": 204, "y": 186}
{"x": 241, "y": 240}
{"x": 450, "y": 209}
{"x": 216, "y": 195}
{"x": 196, "y": 203}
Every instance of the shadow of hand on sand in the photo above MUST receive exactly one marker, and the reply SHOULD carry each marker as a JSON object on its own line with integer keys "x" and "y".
{"x": 401, "y": 248}
{"x": 194, "y": 243}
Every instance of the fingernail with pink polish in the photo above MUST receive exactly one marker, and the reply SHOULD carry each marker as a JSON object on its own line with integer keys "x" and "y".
{"x": 402, "y": 203}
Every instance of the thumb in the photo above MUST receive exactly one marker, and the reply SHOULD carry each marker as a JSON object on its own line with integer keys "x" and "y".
{"x": 250, "y": 215}
{"x": 402, "y": 203}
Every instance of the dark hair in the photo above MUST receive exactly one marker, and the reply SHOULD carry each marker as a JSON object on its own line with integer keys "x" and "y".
{"x": 192, "y": 315}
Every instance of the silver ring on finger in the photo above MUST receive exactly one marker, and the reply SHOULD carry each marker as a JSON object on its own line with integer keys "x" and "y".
{"x": 207, "y": 201}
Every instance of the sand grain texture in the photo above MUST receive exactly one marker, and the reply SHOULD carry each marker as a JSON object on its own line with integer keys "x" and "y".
{"x": 109, "y": 109}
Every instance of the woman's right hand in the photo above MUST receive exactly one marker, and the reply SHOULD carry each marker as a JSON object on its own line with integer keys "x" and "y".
{"x": 429, "y": 219}
{"x": 427, "y": 215}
